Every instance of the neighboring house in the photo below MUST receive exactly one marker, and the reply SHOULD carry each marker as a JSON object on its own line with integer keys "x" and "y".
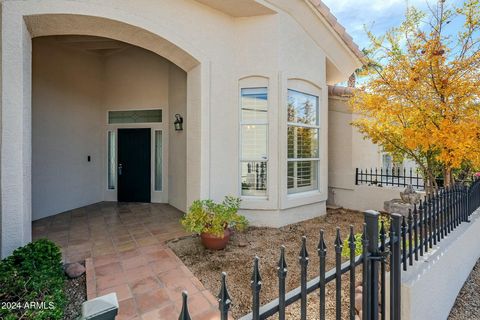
{"x": 248, "y": 77}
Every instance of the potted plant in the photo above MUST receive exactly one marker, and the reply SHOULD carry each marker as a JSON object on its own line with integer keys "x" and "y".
{"x": 214, "y": 221}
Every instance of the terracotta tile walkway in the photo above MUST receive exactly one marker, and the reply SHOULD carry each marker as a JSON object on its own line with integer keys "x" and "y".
{"x": 123, "y": 246}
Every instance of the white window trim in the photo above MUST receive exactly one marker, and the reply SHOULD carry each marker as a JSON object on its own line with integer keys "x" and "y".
{"x": 258, "y": 204}
{"x": 315, "y": 87}
{"x": 156, "y": 196}
{"x": 305, "y": 189}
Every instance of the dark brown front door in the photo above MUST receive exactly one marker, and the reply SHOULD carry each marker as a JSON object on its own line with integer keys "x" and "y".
{"x": 134, "y": 165}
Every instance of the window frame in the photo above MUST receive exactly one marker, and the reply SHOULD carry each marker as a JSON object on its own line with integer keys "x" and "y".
{"x": 243, "y": 123}
{"x": 164, "y": 126}
{"x": 295, "y": 190}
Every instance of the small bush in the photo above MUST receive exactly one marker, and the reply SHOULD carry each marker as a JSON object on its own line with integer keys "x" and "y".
{"x": 32, "y": 283}
{"x": 358, "y": 238}
{"x": 211, "y": 217}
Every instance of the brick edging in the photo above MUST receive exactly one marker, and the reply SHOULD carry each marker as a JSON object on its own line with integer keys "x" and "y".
{"x": 90, "y": 276}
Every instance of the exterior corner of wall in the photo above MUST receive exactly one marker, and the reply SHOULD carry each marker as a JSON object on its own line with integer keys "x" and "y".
{"x": 177, "y": 103}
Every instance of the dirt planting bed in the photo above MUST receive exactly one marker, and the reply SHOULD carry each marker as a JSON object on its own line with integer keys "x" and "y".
{"x": 237, "y": 261}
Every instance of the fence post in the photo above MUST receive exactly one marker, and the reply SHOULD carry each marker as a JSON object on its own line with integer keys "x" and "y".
{"x": 224, "y": 299}
{"x": 371, "y": 220}
{"x": 395, "y": 267}
{"x": 356, "y": 176}
{"x": 256, "y": 284}
{"x": 467, "y": 203}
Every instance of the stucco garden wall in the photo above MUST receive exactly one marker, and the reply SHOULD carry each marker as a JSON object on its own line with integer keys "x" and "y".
{"x": 431, "y": 285}
{"x": 363, "y": 197}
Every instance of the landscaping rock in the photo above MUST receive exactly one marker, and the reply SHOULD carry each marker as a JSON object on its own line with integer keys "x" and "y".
{"x": 409, "y": 195}
{"x": 397, "y": 206}
{"x": 467, "y": 304}
{"x": 74, "y": 270}
{"x": 358, "y": 302}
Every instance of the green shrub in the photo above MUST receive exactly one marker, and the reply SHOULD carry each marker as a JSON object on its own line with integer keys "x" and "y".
{"x": 207, "y": 216}
{"x": 32, "y": 283}
{"x": 358, "y": 238}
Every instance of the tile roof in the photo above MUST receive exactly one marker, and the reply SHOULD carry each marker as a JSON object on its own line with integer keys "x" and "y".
{"x": 340, "y": 91}
{"x": 338, "y": 28}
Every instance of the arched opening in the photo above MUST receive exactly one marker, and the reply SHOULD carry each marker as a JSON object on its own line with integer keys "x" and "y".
{"x": 76, "y": 24}
{"x": 90, "y": 97}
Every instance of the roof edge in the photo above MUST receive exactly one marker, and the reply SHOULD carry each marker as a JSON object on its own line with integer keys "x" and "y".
{"x": 338, "y": 28}
{"x": 340, "y": 91}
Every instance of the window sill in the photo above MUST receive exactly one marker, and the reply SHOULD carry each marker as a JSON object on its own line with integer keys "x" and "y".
{"x": 303, "y": 198}
{"x": 257, "y": 203}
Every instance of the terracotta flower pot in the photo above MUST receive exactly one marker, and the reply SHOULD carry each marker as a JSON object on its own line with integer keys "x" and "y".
{"x": 213, "y": 242}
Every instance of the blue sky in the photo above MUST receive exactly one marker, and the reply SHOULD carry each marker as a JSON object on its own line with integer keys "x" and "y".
{"x": 379, "y": 15}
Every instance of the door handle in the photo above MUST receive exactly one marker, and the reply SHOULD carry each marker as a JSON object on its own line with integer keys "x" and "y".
{"x": 120, "y": 167}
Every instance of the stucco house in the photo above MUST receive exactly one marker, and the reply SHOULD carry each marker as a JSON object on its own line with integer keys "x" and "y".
{"x": 94, "y": 94}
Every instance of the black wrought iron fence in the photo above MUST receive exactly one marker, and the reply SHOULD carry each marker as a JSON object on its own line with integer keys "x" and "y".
{"x": 435, "y": 218}
{"x": 406, "y": 239}
{"x": 255, "y": 178}
{"x": 390, "y": 177}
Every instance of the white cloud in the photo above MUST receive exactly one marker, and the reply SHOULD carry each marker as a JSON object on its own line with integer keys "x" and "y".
{"x": 377, "y": 15}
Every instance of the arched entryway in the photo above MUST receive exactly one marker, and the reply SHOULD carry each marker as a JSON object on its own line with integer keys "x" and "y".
{"x": 22, "y": 21}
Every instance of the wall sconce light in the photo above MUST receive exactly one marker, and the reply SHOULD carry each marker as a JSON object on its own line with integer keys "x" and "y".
{"x": 178, "y": 123}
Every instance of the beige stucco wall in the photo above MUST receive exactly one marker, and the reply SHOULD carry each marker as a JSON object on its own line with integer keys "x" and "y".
{"x": 349, "y": 150}
{"x": 177, "y": 146}
{"x": 216, "y": 50}
{"x": 347, "y": 147}
{"x": 135, "y": 78}
{"x": 67, "y": 126}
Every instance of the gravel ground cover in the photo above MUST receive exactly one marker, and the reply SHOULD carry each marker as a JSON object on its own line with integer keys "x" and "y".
{"x": 467, "y": 305}
{"x": 76, "y": 292}
{"x": 237, "y": 261}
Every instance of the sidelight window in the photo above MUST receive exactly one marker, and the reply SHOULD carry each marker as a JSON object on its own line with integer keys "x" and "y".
{"x": 112, "y": 162}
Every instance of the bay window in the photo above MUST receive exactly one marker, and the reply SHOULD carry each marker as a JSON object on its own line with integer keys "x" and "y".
{"x": 254, "y": 141}
{"x": 302, "y": 142}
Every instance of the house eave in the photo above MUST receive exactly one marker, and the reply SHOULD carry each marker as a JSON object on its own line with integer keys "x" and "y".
{"x": 238, "y": 8}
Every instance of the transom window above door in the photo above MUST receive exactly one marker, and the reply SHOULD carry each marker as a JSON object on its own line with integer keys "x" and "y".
{"x": 135, "y": 116}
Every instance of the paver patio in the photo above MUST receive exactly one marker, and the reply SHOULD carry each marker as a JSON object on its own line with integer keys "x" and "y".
{"x": 123, "y": 245}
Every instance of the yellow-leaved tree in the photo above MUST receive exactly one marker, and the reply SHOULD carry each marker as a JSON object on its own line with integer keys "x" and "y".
{"x": 421, "y": 99}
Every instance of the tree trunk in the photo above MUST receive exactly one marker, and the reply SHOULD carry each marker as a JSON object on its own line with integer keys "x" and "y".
{"x": 430, "y": 182}
{"x": 447, "y": 176}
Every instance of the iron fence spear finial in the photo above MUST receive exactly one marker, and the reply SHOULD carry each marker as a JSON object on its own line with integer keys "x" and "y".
{"x": 224, "y": 299}
{"x": 184, "y": 314}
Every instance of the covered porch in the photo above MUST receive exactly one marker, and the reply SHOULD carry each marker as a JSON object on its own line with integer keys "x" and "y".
{"x": 109, "y": 228}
